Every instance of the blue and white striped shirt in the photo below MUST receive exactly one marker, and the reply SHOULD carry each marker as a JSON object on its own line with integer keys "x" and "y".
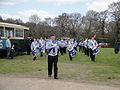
{"x": 52, "y": 47}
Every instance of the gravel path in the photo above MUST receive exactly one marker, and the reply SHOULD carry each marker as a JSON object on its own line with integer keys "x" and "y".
{"x": 7, "y": 83}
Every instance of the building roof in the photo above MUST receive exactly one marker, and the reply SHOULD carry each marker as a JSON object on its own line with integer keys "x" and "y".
{"x": 13, "y": 26}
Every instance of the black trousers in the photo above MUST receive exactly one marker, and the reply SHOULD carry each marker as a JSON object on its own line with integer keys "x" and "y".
{"x": 70, "y": 56}
{"x": 61, "y": 50}
{"x": 52, "y": 60}
{"x": 12, "y": 53}
{"x": 41, "y": 54}
{"x": 116, "y": 51}
{"x": 75, "y": 48}
{"x": 64, "y": 50}
{"x": 91, "y": 55}
{"x": 87, "y": 51}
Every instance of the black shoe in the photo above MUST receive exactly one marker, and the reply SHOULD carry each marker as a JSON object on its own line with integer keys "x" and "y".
{"x": 41, "y": 55}
{"x": 34, "y": 58}
{"x": 55, "y": 77}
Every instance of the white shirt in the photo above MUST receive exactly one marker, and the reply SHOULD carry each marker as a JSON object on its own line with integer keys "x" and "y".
{"x": 34, "y": 45}
{"x": 8, "y": 43}
{"x": 92, "y": 44}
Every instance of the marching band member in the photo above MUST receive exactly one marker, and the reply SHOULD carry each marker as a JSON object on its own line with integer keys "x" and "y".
{"x": 52, "y": 48}
{"x": 62, "y": 47}
{"x": 80, "y": 46}
{"x": 93, "y": 48}
{"x": 65, "y": 47}
{"x": 86, "y": 47}
{"x": 42, "y": 46}
{"x": 71, "y": 49}
{"x": 35, "y": 48}
{"x": 75, "y": 44}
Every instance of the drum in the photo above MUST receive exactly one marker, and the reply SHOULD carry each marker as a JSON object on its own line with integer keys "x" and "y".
{"x": 42, "y": 48}
{"x": 35, "y": 51}
{"x": 95, "y": 51}
{"x": 73, "y": 51}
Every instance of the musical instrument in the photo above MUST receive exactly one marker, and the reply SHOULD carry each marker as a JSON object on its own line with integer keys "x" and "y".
{"x": 73, "y": 51}
{"x": 95, "y": 50}
{"x": 35, "y": 51}
{"x": 42, "y": 48}
{"x": 68, "y": 45}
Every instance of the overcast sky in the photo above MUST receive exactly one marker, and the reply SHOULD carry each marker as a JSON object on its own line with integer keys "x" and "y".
{"x": 23, "y": 9}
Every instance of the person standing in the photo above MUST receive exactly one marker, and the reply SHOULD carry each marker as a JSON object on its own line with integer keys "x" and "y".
{"x": 117, "y": 47}
{"x": 52, "y": 50}
{"x": 8, "y": 46}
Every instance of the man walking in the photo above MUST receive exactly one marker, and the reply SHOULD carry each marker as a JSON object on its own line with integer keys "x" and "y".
{"x": 52, "y": 49}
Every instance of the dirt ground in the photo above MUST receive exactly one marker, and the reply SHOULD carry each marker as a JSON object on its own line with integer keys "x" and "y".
{"x": 39, "y": 81}
{"x": 10, "y": 83}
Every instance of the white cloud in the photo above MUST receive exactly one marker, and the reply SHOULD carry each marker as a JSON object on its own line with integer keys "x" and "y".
{"x": 100, "y": 5}
{"x": 24, "y": 15}
{"x": 5, "y": 16}
{"x": 11, "y": 2}
{"x": 42, "y": 14}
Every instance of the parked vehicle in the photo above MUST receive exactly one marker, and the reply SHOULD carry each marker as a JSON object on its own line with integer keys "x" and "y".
{"x": 103, "y": 45}
{"x": 17, "y": 34}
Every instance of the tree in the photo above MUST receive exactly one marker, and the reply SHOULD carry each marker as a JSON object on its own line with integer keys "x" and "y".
{"x": 1, "y": 19}
{"x": 34, "y": 19}
{"x": 102, "y": 16}
{"x": 62, "y": 23}
{"x": 19, "y": 21}
{"x": 10, "y": 20}
{"x": 74, "y": 23}
{"x": 49, "y": 21}
{"x": 114, "y": 10}
{"x": 90, "y": 23}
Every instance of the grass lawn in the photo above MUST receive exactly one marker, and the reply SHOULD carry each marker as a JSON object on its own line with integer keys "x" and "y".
{"x": 106, "y": 67}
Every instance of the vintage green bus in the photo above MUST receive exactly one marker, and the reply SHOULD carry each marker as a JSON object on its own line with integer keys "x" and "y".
{"x": 17, "y": 34}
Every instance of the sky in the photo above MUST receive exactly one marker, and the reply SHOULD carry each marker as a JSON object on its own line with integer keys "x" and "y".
{"x": 23, "y": 9}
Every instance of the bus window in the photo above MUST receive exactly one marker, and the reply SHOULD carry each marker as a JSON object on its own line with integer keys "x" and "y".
{"x": 9, "y": 32}
{"x": 19, "y": 33}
